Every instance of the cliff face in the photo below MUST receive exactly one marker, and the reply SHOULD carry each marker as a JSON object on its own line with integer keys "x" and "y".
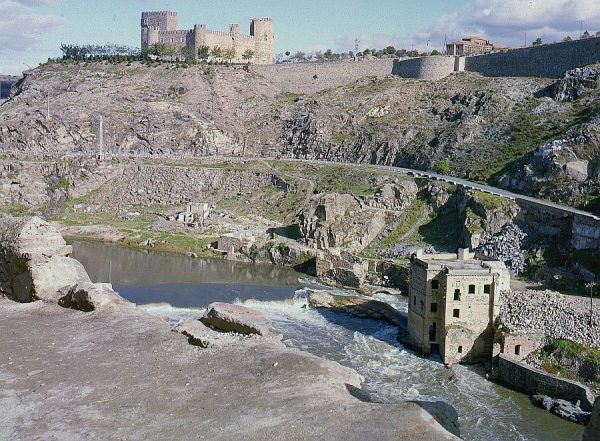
{"x": 481, "y": 128}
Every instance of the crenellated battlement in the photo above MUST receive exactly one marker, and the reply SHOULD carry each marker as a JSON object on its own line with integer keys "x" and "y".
{"x": 161, "y": 27}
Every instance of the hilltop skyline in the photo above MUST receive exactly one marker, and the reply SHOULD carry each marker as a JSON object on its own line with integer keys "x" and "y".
{"x": 32, "y": 30}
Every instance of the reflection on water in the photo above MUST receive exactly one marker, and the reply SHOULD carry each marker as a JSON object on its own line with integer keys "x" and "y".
{"x": 180, "y": 287}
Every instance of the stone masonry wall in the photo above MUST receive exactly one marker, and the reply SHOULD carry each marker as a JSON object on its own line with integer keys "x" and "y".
{"x": 300, "y": 77}
{"x": 425, "y": 68}
{"x": 533, "y": 381}
{"x": 551, "y": 60}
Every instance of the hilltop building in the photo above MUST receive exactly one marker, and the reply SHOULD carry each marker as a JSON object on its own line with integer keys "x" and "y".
{"x": 162, "y": 27}
{"x": 453, "y": 302}
{"x": 473, "y": 45}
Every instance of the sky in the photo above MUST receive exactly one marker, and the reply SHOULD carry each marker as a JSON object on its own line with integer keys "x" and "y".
{"x": 31, "y": 31}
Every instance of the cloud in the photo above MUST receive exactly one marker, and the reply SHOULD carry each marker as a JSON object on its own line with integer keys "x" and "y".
{"x": 22, "y": 29}
{"x": 36, "y": 3}
{"x": 501, "y": 21}
{"x": 507, "y": 21}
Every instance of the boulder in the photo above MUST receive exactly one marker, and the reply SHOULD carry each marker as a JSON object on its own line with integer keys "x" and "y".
{"x": 236, "y": 318}
{"x": 34, "y": 260}
{"x": 592, "y": 431}
{"x": 199, "y": 334}
{"x": 89, "y": 296}
{"x": 571, "y": 412}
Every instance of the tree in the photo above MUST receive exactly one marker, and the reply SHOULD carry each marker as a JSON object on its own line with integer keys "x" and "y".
{"x": 300, "y": 56}
{"x": 390, "y": 50}
{"x": 328, "y": 55}
{"x": 435, "y": 52}
{"x": 217, "y": 53}
{"x": 162, "y": 50}
{"x": 413, "y": 53}
{"x": 229, "y": 54}
{"x": 367, "y": 52}
{"x": 287, "y": 53}
{"x": 442, "y": 167}
{"x": 567, "y": 38}
{"x": 248, "y": 55}
{"x": 203, "y": 52}
{"x": 537, "y": 42}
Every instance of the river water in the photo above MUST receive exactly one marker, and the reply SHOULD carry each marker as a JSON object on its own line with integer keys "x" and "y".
{"x": 181, "y": 287}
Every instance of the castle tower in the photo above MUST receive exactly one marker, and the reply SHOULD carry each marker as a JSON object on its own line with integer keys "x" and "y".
{"x": 155, "y": 22}
{"x": 262, "y": 31}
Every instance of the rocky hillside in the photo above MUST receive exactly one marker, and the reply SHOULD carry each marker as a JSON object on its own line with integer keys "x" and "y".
{"x": 528, "y": 134}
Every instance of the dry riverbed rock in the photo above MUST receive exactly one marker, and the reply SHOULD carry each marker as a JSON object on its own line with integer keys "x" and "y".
{"x": 236, "y": 318}
{"x": 91, "y": 296}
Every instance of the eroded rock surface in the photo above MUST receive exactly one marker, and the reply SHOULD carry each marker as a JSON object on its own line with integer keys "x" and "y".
{"x": 35, "y": 260}
{"x": 91, "y": 296}
{"x": 236, "y": 318}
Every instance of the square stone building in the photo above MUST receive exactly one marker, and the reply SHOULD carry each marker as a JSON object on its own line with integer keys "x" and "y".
{"x": 453, "y": 302}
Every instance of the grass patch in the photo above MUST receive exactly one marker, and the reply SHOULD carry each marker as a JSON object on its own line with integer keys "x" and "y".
{"x": 340, "y": 179}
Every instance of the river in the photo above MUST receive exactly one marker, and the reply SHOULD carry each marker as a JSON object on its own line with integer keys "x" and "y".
{"x": 181, "y": 287}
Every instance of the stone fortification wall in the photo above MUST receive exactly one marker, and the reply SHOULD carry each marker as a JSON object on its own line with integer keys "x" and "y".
{"x": 425, "y": 68}
{"x": 299, "y": 77}
{"x": 533, "y": 381}
{"x": 585, "y": 233}
{"x": 551, "y": 60}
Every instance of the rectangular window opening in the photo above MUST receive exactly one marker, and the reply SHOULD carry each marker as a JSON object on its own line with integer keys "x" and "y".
{"x": 457, "y": 294}
{"x": 460, "y": 349}
{"x": 487, "y": 289}
{"x": 456, "y": 313}
{"x": 471, "y": 289}
{"x": 435, "y": 284}
{"x": 434, "y": 307}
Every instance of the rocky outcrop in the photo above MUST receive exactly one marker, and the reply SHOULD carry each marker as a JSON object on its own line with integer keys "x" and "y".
{"x": 576, "y": 83}
{"x": 88, "y": 297}
{"x": 562, "y": 408}
{"x": 357, "y": 305}
{"x": 236, "y": 318}
{"x": 592, "y": 431}
{"x": 199, "y": 334}
{"x": 336, "y": 220}
{"x": 34, "y": 260}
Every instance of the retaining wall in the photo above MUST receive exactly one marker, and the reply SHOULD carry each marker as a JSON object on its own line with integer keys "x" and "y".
{"x": 533, "y": 381}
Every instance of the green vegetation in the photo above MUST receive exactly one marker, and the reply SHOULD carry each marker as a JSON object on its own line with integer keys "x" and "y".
{"x": 341, "y": 179}
{"x": 571, "y": 360}
{"x": 442, "y": 167}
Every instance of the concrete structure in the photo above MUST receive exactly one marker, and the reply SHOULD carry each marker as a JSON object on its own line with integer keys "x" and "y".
{"x": 162, "y": 27}
{"x": 195, "y": 214}
{"x": 473, "y": 45}
{"x": 453, "y": 302}
{"x": 550, "y": 60}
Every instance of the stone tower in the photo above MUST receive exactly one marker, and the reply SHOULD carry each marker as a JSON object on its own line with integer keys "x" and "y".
{"x": 262, "y": 31}
{"x": 155, "y": 22}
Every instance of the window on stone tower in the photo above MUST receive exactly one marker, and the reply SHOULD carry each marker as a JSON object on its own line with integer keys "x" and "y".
{"x": 457, "y": 294}
{"x": 435, "y": 284}
{"x": 471, "y": 289}
{"x": 487, "y": 289}
{"x": 518, "y": 350}
{"x": 434, "y": 307}
{"x": 460, "y": 349}
{"x": 456, "y": 313}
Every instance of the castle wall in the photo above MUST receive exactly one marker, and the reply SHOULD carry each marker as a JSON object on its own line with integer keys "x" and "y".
{"x": 550, "y": 61}
{"x": 161, "y": 27}
{"x": 425, "y": 68}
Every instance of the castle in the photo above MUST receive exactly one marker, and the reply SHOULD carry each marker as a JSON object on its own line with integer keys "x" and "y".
{"x": 161, "y": 27}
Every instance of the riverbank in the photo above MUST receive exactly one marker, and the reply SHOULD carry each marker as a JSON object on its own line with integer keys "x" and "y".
{"x": 72, "y": 375}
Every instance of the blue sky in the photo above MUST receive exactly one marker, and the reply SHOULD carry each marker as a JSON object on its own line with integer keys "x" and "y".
{"x": 32, "y": 30}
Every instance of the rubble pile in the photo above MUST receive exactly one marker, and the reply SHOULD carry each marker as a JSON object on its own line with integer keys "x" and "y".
{"x": 505, "y": 246}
